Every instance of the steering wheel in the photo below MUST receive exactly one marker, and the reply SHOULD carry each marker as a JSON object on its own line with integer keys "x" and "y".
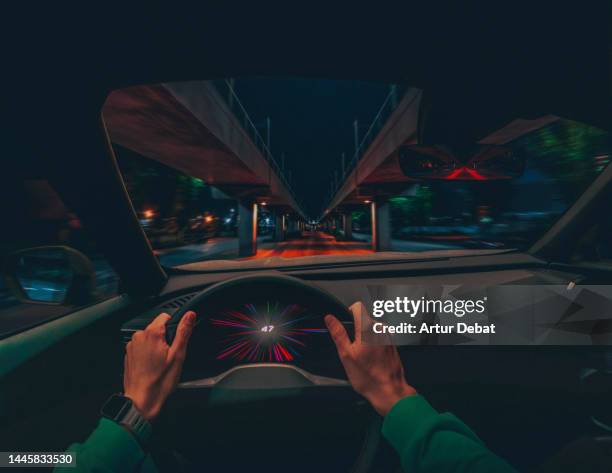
{"x": 271, "y": 404}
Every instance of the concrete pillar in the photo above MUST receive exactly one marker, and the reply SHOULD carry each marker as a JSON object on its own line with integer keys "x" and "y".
{"x": 279, "y": 222}
{"x": 381, "y": 225}
{"x": 347, "y": 223}
{"x": 247, "y": 228}
{"x": 291, "y": 225}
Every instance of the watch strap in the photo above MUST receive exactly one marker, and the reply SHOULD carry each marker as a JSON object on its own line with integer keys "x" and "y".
{"x": 121, "y": 410}
{"x": 137, "y": 425}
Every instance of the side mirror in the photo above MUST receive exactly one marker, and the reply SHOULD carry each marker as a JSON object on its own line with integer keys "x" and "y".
{"x": 55, "y": 275}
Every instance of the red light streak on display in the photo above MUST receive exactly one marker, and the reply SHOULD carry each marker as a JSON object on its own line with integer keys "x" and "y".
{"x": 267, "y": 335}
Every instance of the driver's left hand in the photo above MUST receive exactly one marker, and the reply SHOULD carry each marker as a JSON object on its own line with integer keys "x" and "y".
{"x": 152, "y": 367}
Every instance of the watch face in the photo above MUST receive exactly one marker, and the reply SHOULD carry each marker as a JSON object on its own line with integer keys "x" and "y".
{"x": 116, "y": 406}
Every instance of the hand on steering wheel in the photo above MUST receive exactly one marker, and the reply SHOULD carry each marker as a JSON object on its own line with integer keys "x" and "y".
{"x": 374, "y": 371}
{"x": 152, "y": 367}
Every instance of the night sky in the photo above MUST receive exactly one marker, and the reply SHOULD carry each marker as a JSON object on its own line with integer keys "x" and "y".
{"x": 312, "y": 124}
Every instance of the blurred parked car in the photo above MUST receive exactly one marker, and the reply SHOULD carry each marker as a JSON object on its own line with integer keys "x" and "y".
{"x": 168, "y": 231}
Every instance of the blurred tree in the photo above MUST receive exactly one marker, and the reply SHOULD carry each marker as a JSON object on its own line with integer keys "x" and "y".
{"x": 566, "y": 151}
{"x": 412, "y": 210}
{"x": 361, "y": 220}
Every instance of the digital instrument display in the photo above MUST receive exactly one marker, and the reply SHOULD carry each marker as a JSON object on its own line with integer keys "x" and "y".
{"x": 261, "y": 324}
{"x": 269, "y": 331}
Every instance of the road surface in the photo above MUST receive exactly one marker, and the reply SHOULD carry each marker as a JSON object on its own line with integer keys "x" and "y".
{"x": 312, "y": 244}
{"x": 410, "y": 245}
{"x": 309, "y": 244}
{"x": 220, "y": 247}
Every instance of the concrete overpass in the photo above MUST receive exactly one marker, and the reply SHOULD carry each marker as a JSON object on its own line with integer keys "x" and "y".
{"x": 191, "y": 127}
{"x": 375, "y": 174}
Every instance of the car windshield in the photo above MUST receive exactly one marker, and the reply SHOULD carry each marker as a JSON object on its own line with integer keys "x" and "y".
{"x": 258, "y": 168}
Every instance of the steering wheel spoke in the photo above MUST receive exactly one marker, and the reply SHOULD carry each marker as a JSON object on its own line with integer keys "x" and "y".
{"x": 264, "y": 376}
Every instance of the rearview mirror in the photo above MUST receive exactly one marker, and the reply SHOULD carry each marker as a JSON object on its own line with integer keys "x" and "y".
{"x": 50, "y": 275}
{"x": 476, "y": 163}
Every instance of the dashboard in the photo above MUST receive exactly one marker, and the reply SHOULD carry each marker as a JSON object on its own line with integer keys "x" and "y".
{"x": 262, "y": 325}
{"x": 497, "y": 390}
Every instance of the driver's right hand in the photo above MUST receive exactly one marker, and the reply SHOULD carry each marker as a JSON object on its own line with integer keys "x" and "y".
{"x": 374, "y": 371}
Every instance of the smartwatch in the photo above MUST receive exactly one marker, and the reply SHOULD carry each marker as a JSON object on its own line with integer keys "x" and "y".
{"x": 121, "y": 410}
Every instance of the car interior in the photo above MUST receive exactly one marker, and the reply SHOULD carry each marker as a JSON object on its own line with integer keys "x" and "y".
{"x": 279, "y": 407}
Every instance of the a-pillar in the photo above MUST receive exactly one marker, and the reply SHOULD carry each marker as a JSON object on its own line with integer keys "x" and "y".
{"x": 381, "y": 225}
{"x": 347, "y": 223}
{"x": 247, "y": 228}
{"x": 279, "y": 226}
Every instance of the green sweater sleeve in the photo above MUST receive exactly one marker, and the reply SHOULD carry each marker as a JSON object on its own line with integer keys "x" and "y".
{"x": 431, "y": 442}
{"x": 109, "y": 449}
